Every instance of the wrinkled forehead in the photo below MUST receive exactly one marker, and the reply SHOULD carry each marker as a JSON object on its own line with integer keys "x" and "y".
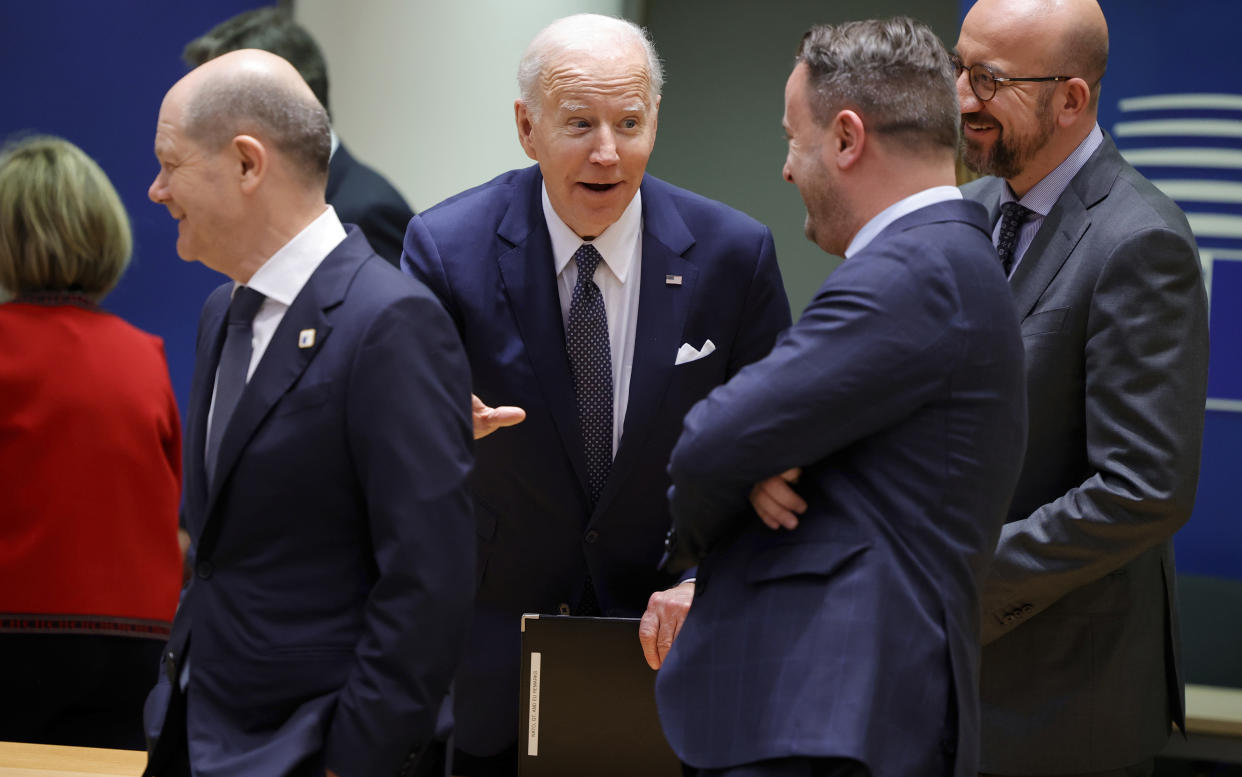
{"x": 579, "y": 73}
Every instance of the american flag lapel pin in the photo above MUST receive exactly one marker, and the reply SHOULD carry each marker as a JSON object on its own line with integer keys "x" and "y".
{"x": 672, "y": 280}
{"x": 306, "y": 338}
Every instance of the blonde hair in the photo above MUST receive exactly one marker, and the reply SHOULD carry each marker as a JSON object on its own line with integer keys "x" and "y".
{"x": 62, "y": 225}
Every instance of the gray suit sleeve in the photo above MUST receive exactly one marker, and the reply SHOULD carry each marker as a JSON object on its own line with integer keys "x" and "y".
{"x": 1145, "y": 363}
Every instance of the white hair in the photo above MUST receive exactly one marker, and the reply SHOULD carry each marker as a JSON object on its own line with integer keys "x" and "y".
{"x": 581, "y": 31}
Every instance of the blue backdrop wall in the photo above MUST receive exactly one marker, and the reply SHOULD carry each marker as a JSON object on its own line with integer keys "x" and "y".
{"x": 94, "y": 73}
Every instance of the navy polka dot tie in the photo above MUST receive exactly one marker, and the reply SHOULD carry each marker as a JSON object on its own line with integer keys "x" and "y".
{"x": 591, "y": 361}
{"x": 590, "y": 358}
{"x": 1013, "y": 216}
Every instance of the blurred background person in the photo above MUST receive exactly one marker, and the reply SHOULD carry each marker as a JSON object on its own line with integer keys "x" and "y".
{"x": 90, "y": 462}
{"x": 359, "y": 194}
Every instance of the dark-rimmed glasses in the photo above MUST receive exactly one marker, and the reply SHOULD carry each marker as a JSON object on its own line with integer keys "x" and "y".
{"x": 983, "y": 82}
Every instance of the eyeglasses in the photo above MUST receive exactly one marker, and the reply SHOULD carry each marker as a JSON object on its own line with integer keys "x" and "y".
{"x": 983, "y": 82}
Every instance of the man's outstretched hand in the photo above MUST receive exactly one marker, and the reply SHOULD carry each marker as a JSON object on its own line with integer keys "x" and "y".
{"x": 489, "y": 419}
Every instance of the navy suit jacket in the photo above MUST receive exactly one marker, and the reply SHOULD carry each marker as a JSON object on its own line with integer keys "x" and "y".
{"x": 362, "y": 196}
{"x": 333, "y": 553}
{"x": 487, "y": 255}
{"x": 900, "y": 394}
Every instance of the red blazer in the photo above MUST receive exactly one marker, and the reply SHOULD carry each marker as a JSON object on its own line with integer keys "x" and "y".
{"x": 90, "y": 473}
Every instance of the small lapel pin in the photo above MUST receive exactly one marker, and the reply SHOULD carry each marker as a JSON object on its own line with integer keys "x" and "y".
{"x": 672, "y": 280}
{"x": 306, "y": 338}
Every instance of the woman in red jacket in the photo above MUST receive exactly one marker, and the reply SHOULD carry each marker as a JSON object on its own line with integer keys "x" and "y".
{"x": 90, "y": 463}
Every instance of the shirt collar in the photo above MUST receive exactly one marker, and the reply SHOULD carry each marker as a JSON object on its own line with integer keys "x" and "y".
{"x": 615, "y": 244}
{"x": 283, "y": 275}
{"x": 1044, "y": 195}
{"x": 881, "y": 220}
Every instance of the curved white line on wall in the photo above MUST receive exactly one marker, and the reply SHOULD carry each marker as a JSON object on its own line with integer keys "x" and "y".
{"x": 1183, "y": 157}
{"x": 1215, "y": 225}
{"x": 1158, "y": 102}
{"x": 1201, "y": 191}
{"x": 1209, "y": 128}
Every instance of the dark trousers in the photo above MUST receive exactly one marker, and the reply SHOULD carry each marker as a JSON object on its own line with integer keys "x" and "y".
{"x": 1143, "y": 769}
{"x": 503, "y": 764}
{"x": 787, "y": 767}
{"x": 170, "y": 756}
{"x": 83, "y": 690}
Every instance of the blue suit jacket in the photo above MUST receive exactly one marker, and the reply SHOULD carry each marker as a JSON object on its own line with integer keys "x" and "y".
{"x": 333, "y": 554}
{"x": 487, "y": 255}
{"x": 900, "y": 394}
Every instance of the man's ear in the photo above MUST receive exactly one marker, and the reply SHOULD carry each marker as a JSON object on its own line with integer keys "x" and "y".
{"x": 1073, "y": 101}
{"x": 846, "y": 139}
{"x": 252, "y": 159}
{"x": 525, "y": 128}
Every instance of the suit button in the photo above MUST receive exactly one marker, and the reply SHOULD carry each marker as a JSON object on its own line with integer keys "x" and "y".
{"x": 592, "y": 536}
{"x": 563, "y": 608}
{"x": 1027, "y": 608}
{"x": 204, "y": 570}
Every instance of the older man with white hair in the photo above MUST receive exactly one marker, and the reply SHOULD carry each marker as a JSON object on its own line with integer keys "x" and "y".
{"x": 602, "y": 303}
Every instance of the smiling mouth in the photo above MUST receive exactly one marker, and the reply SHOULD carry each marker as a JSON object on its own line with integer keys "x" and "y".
{"x": 598, "y": 187}
{"x": 975, "y": 124}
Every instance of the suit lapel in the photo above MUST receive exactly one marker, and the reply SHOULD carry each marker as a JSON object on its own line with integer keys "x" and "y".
{"x": 529, "y": 276}
{"x": 662, "y": 312}
{"x": 284, "y": 361}
{"x": 1057, "y": 236}
{"x": 1064, "y": 227}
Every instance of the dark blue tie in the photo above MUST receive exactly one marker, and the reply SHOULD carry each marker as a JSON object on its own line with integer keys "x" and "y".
{"x": 590, "y": 359}
{"x": 234, "y": 364}
{"x": 1013, "y": 216}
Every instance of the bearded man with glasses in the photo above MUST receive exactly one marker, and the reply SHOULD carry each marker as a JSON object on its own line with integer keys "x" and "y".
{"x": 1080, "y": 671}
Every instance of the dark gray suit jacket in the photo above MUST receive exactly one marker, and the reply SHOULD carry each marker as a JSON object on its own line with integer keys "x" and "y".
{"x": 1080, "y": 666}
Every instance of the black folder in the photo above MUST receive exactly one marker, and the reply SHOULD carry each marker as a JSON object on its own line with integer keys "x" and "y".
{"x": 588, "y": 701}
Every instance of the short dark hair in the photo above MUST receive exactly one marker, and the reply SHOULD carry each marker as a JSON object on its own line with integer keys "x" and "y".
{"x": 258, "y": 104}
{"x": 895, "y": 72}
{"x": 269, "y": 29}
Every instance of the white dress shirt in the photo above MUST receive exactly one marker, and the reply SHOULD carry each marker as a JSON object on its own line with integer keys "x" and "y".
{"x": 621, "y": 246}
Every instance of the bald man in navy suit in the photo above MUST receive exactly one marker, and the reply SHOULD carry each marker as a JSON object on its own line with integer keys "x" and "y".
{"x": 327, "y": 448}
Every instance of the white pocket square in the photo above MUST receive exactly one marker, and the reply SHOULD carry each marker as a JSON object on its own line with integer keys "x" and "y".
{"x": 688, "y": 353}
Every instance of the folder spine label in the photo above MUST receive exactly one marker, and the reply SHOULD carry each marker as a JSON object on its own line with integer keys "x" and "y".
{"x": 532, "y": 710}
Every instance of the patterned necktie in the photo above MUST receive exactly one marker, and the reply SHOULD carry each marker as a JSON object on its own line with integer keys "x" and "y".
{"x": 231, "y": 374}
{"x": 590, "y": 358}
{"x": 1013, "y": 216}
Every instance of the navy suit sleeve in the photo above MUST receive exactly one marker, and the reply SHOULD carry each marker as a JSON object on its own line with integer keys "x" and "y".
{"x": 408, "y": 416}
{"x": 766, "y": 313}
{"x": 1146, "y": 384}
{"x": 420, "y": 258}
{"x": 870, "y": 347}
